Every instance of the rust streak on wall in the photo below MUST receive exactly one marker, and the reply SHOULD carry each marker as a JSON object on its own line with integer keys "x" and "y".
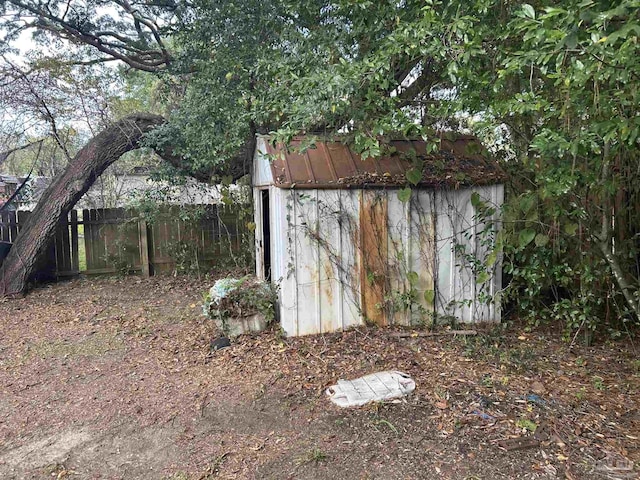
{"x": 373, "y": 273}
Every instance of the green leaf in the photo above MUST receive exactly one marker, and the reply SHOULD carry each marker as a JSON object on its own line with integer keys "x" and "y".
{"x": 526, "y": 236}
{"x": 404, "y": 194}
{"x": 482, "y": 277}
{"x": 475, "y": 200}
{"x": 491, "y": 259}
{"x": 532, "y": 216}
{"x": 571, "y": 40}
{"x": 227, "y": 180}
{"x": 414, "y": 176}
{"x": 527, "y": 424}
{"x": 413, "y": 278}
{"x": 541, "y": 240}
{"x": 451, "y": 136}
{"x": 571, "y": 228}
{"x": 429, "y": 296}
{"x": 527, "y": 202}
{"x": 528, "y": 11}
{"x": 472, "y": 148}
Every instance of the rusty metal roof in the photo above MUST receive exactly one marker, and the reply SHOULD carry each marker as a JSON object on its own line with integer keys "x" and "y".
{"x": 461, "y": 161}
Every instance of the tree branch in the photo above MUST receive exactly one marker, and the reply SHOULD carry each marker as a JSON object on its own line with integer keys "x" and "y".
{"x": 128, "y": 51}
{"x": 604, "y": 241}
{"x": 6, "y": 154}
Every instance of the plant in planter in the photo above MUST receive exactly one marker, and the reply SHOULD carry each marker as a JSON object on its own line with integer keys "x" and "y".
{"x": 240, "y": 305}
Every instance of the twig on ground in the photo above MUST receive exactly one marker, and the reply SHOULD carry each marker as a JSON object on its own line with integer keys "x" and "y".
{"x": 434, "y": 334}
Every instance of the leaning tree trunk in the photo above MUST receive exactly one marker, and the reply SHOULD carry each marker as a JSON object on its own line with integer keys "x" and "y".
{"x": 67, "y": 188}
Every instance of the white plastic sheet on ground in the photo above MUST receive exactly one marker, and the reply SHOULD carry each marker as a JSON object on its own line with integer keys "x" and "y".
{"x": 371, "y": 388}
{"x": 223, "y": 287}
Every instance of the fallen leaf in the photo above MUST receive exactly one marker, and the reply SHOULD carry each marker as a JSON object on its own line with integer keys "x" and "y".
{"x": 538, "y": 388}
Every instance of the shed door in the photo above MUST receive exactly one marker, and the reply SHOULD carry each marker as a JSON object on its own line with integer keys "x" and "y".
{"x": 266, "y": 236}
{"x": 397, "y": 257}
{"x": 263, "y": 233}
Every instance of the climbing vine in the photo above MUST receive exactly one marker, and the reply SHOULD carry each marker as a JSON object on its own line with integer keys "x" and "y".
{"x": 387, "y": 251}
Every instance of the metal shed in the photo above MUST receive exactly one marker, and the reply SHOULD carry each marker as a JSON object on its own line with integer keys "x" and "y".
{"x": 345, "y": 247}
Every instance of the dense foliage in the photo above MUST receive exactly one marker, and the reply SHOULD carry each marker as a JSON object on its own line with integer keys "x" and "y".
{"x": 564, "y": 83}
{"x": 552, "y": 89}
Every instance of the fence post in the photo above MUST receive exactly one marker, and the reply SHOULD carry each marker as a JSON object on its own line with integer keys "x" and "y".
{"x": 75, "y": 260}
{"x": 5, "y": 236}
{"x": 144, "y": 248}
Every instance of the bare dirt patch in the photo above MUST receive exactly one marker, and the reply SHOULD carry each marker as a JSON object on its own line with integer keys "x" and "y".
{"x": 113, "y": 379}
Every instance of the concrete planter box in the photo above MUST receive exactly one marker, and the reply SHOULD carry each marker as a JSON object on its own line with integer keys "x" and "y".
{"x": 235, "y": 326}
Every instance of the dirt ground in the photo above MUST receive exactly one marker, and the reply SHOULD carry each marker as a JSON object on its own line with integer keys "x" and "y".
{"x": 114, "y": 379}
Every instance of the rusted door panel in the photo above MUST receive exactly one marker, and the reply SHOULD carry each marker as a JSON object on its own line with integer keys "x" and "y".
{"x": 374, "y": 269}
{"x": 411, "y": 261}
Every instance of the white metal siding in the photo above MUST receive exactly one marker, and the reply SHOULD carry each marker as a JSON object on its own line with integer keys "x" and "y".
{"x": 457, "y": 290}
{"x": 421, "y": 246}
{"x": 317, "y": 293}
{"x": 262, "y": 176}
{"x": 316, "y": 260}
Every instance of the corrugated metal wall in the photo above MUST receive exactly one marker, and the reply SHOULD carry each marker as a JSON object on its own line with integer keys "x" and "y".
{"x": 262, "y": 176}
{"x": 341, "y": 257}
{"x": 461, "y": 235}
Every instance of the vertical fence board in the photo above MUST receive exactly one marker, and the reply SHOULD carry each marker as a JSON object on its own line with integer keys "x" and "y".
{"x": 9, "y": 228}
{"x": 5, "y": 236}
{"x": 144, "y": 247}
{"x": 107, "y": 237}
{"x": 75, "y": 256}
{"x": 13, "y": 225}
{"x": 62, "y": 248}
{"x": 93, "y": 246}
{"x": 88, "y": 254}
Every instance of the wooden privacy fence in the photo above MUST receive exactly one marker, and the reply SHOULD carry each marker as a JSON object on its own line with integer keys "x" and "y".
{"x": 115, "y": 240}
